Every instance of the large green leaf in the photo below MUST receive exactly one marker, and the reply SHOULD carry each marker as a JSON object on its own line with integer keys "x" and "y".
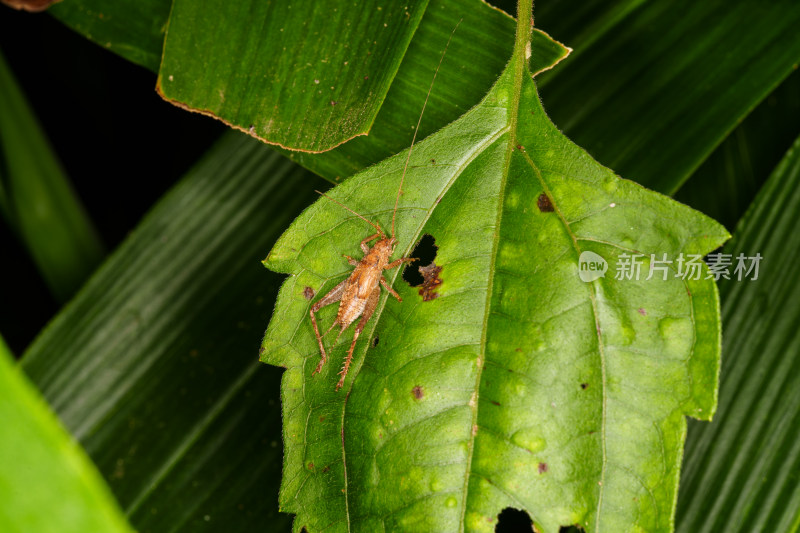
{"x": 303, "y": 75}
{"x": 37, "y": 200}
{"x": 153, "y": 365}
{"x": 46, "y": 481}
{"x": 741, "y": 470}
{"x": 520, "y": 385}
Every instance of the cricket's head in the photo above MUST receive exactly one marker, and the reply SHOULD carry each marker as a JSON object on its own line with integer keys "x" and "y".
{"x": 385, "y": 246}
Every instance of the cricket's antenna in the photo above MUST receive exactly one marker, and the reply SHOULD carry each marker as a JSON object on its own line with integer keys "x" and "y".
{"x": 365, "y": 219}
{"x": 419, "y": 121}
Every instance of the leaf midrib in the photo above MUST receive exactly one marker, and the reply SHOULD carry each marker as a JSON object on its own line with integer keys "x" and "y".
{"x": 521, "y": 44}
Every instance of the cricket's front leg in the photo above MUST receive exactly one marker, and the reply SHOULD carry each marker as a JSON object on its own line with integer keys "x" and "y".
{"x": 369, "y": 308}
{"x": 333, "y": 296}
{"x": 365, "y": 246}
{"x": 395, "y": 264}
{"x": 392, "y": 265}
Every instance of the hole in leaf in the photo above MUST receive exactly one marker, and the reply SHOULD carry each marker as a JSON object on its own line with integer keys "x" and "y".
{"x": 425, "y": 252}
{"x": 571, "y": 529}
{"x": 513, "y": 521}
{"x": 375, "y": 341}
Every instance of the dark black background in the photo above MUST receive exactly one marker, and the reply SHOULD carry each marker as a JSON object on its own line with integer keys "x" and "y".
{"x": 120, "y": 144}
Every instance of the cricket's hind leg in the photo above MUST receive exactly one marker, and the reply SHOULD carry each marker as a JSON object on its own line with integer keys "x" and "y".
{"x": 372, "y": 303}
{"x": 333, "y": 296}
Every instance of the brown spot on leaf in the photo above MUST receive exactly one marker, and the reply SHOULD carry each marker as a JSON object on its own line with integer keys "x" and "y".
{"x": 326, "y": 468}
{"x": 518, "y": 350}
{"x": 308, "y": 293}
{"x": 333, "y": 102}
{"x": 544, "y": 204}
{"x": 322, "y": 419}
{"x": 418, "y": 392}
{"x": 366, "y": 77}
{"x": 375, "y": 341}
{"x": 542, "y": 468}
{"x": 495, "y": 403}
{"x": 584, "y": 386}
{"x": 431, "y": 281}
{"x": 642, "y": 312}
{"x": 520, "y": 148}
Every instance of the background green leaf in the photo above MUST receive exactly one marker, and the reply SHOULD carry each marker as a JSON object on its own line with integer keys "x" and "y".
{"x": 741, "y": 470}
{"x": 444, "y": 419}
{"x": 664, "y": 83}
{"x": 153, "y": 366}
{"x": 133, "y": 29}
{"x": 36, "y": 198}
{"x": 726, "y": 183}
{"x": 303, "y": 75}
{"x": 642, "y": 72}
{"x": 46, "y": 481}
{"x": 476, "y": 57}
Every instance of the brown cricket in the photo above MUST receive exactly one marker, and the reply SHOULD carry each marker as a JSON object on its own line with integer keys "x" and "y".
{"x": 359, "y": 293}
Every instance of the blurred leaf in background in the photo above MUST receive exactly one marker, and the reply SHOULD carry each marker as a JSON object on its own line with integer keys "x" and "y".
{"x": 47, "y": 483}
{"x": 36, "y": 198}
